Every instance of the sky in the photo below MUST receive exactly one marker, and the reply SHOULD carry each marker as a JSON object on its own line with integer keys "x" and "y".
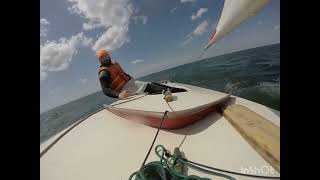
{"x": 144, "y": 36}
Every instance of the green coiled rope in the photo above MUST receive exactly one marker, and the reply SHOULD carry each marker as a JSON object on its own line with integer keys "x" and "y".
{"x": 170, "y": 168}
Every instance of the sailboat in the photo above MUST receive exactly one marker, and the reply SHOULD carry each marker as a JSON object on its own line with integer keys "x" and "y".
{"x": 227, "y": 136}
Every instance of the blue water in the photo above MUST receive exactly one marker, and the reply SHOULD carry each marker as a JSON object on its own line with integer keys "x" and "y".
{"x": 252, "y": 74}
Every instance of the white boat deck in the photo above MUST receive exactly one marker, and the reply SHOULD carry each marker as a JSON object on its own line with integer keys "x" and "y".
{"x": 106, "y": 146}
{"x": 194, "y": 97}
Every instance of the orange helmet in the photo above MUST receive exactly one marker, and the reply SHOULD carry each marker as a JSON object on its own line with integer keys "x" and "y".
{"x": 102, "y": 53}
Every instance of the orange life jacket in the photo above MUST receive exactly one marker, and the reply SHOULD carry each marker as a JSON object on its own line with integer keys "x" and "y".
{"x": 118, "y": 77}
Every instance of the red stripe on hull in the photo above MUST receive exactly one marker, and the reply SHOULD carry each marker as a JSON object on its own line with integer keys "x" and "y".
{"x": 168, "y": 123}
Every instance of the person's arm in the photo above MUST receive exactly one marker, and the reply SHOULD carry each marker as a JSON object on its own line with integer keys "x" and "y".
{"x": 104, "y": 78}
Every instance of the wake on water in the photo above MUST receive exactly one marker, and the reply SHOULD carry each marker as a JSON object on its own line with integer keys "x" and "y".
{"x": 273, "y": 89}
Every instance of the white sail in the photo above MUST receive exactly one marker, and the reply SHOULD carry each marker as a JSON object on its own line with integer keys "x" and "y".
{"x": 234, "y": 12}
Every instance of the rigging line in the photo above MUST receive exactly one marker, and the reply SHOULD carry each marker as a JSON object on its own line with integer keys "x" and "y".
{"x": 130, "y": 100}
{"x": 154, "y": 140}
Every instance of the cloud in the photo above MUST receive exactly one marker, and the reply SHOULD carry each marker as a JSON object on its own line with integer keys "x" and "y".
{"x": 185, "y": 1}
{"x": 112, "y": 39}
{"x": 201, "y": 28}
{"x": 112, "y": 15}
{"x": 137, "y": 61}
{"x": 198, "y": 31}
{"x": 44, "y": 25}
{"x": 83, "y": 80}
{"x": 90, "y": 26}
{"x": 56, "y": 56}
{"x": 143, "y": 19}
{"x": 276, "y": 28}
{"x": 199, "y": 13}
{"x": 187, "y": 40}
{"x": 173, "y": 10}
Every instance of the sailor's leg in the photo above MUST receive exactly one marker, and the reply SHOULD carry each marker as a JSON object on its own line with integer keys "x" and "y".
{"x": 156, "y": 88}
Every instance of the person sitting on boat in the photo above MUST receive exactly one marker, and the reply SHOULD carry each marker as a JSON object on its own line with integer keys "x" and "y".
{"x": 116, "y": 83}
